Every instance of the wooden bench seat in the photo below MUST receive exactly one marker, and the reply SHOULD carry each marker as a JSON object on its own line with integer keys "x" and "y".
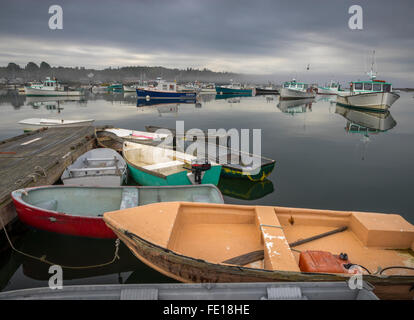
{"x": 277, "y": 253}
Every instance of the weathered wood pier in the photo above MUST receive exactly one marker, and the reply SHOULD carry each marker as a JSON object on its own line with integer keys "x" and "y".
{"x": 38, "y": 158}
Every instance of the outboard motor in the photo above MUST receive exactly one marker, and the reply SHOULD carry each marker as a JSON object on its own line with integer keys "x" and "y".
{"x": 198, "y": 166}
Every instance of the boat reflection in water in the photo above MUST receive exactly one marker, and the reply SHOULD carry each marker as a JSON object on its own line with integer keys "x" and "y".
{"x": 82, "y": 252}
{"x": 51, "y": 103}
{"x": 245, "y": 189}
{"x": 366, "y": 122}
{"x": 295, "y": 106}
{"x": 231, "y": 97}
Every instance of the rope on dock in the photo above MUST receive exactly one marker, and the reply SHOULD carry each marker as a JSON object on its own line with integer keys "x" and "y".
{"x": 43, "y": 259}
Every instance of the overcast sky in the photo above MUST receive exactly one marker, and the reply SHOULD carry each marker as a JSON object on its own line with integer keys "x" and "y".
{"x": 271, "y": 37}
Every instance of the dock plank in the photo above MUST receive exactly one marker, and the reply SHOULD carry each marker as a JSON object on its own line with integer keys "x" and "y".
{"x": 39, "y": 158}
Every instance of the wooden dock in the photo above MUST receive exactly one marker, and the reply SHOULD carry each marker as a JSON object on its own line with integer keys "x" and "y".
{"x": 38, "y": 158}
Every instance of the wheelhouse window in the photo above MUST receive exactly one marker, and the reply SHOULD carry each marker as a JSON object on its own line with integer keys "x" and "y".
{"x": 164, "y": 87}
{"x": 387, "y": 87}
{"x": 286, "y": 85}
{"x": 300, "y": 86}
{"x": 377, "y": 87}
{"x": 358, "y": 86}
{"x": 368, "y": 86}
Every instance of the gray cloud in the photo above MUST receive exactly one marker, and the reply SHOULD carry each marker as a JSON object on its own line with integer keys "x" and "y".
{"x": 260, "y": 37}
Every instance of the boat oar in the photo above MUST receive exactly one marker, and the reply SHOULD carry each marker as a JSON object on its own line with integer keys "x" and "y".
{"x": 322, "y": 235}
{"x": 259, "y": 254}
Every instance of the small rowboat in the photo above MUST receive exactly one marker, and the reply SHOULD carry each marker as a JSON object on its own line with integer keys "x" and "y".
{"x": 98, "y": 167}
{"x": 78, "y": 210}
{"x": 194, "y": 242}
{"x": 37, "y": 123}
{"x": 114, "y": 137}
{"x": 155, "y": 166}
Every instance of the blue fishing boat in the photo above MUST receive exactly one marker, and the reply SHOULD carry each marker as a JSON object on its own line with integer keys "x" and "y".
{"x": 164, "y": 90}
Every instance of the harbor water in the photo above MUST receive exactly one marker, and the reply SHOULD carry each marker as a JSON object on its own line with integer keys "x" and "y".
{"x": 327, "y": 157}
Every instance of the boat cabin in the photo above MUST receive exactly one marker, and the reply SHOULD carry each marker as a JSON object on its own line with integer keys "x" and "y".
{"x": 295, "y": 85}
{"x": 370, "y": 86}
{"x": 163, "y": 85}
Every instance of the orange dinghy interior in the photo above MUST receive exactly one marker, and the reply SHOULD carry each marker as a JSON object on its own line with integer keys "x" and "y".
{"x": 198, "y": 242}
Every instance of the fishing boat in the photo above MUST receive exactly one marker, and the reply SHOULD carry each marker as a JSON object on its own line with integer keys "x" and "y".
{"x": 234, "y": 88}
{"x": 115, "y": 87}
{"x": 97, "y": 167}
{"x": 78, "y": 211}
{"x": 296, "y": 90}
{"x": 155, "y": 166}
{"x": 164, "y": 90}
{"x": 193, "y": 242}
{"x": 332, "y": 88}
{"x": 375, "y": 95}
{"x": 114, "y": 137}
{"x": 266, "y": 90}
{"x": 37, "y": 123}
{"x": 129, "y": 88}
{"x": 50, "y": 87}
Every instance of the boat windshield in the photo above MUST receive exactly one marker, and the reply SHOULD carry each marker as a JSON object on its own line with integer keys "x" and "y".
{"x": 358, "y": 86}
{"x": 386, "y": 87}
{"x": 368, "y": 86}
{"x": 377, "y": 87}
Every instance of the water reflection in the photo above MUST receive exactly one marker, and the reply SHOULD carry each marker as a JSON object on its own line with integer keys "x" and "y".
{"x": 366, "y": 122}
{"x": 245, "y": 189}
{"x": 295, "y": 106}
{"x": 76, "y": 252}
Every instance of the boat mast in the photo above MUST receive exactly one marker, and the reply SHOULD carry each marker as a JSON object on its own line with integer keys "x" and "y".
{"x": 371, "y": 73}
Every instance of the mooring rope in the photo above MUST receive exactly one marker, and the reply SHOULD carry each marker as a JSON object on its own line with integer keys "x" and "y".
{"x": 42, "y": 259}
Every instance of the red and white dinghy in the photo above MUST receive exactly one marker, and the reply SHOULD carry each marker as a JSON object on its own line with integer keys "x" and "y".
{"x": 78, "y": 211}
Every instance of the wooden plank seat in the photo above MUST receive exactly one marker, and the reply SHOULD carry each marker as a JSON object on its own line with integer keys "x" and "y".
{"x": 163, "y": 165}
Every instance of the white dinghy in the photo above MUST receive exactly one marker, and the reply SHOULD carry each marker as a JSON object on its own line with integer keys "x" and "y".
{"x": 102, "y": 167}
{"x": 37, "y": 123}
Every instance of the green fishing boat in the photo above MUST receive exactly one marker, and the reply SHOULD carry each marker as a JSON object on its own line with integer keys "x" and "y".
{"x": 155, "y": 166}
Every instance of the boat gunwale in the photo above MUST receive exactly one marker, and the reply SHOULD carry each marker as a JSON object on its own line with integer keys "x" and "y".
{"x": 17, "y": 195}
{"x": 279, "y": 275}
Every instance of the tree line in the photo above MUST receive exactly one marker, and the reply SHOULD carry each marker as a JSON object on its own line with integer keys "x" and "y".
{"x": 31, "y": 72}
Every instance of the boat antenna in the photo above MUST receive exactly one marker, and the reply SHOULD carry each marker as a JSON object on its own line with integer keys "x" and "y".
{"x": 371, "y": 73}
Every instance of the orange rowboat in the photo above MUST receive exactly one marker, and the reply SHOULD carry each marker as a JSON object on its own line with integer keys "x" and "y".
{"x": 199, "y": 242}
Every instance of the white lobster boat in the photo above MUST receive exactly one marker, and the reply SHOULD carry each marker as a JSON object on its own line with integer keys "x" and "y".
{"x": 49, "y": 87}
{"x": 296, "y": 90}
{"x": 375, "y": 95}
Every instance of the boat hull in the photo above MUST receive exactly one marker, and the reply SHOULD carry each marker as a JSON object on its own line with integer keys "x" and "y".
{"x": 148, "y": 178}
{"x": 231, "y": 172}
{"x": 39, "y": 92}
{"x": 379, "y": 101}
{"x": 260, "y": 91}
{"x": 190, "y": 270}
{"x": 84, "y": 224}
{"x": 152, "y": 94}
{"x": 287, "y": 94}
{"x": 224, "y": 90}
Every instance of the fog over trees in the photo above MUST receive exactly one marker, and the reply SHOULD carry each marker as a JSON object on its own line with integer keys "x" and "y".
{"x": 31, "y": 71}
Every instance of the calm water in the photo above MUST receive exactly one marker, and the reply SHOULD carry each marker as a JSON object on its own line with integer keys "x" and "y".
{"x": 327, "y": 157}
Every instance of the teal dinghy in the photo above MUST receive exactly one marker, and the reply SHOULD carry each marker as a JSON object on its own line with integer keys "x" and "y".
{"x": 155, "y": 166}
